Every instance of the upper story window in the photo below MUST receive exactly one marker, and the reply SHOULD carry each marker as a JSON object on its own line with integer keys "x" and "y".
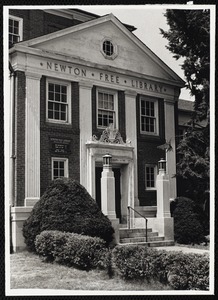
{"x": 58, "y": 101}
{"x": 149, "y": 116}
{"x": 59, "y": 167}
{"x": 15, "y": 30}
{"x": 150, "y": 176}
{"x": 106, "y": 108}
{"x": 109, "y": 49}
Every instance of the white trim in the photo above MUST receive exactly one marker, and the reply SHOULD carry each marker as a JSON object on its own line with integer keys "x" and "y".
{"x": 66, "y": 166}
{"x": 155, "y": 177}
{"x": 115, "y": 94}
{"x": 68, "y": 85}
{"x": 20, "y": 29}
{"x": 156, "y": 115}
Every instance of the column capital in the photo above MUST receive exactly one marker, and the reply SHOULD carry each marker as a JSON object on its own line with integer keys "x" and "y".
{"x": 169, "y": 100}
{"x": 86, "y": 85}
{"x": 130, "y": 93}
{"x": 33, "y": 75}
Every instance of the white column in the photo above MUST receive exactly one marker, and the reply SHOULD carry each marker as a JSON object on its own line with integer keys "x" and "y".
{"x": 131, "y": 134}
{"x": 170, "y": 136}
{"x": 85, "y": 119}
{"x": 32, "y": 139}
{"x": 163, "y": 202}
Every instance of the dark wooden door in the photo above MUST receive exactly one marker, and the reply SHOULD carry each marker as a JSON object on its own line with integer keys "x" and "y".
{"x": 116, "y": 171}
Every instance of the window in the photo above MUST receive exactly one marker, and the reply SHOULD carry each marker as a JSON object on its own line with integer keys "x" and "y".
{"x": 15, "y": 30}
{"x": 148, "y": 115}
{"x": 108, "y": 48}
{"x": 59, "y": 167}
{"x": 58, "y": 102}
{"x": 150, "y": 177}
{"x": 106, "y": 107}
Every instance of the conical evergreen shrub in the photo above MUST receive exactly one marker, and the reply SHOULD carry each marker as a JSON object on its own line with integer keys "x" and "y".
{"x": 67, "y": 206}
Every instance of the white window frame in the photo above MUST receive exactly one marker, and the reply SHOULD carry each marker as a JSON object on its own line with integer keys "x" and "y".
{"x": 156, "y": 115}
{"x": 20, "y": 29}
{"x": 148, "y": 188}
{"x": 68, "y": 85}
{"x": 60, "y": 159}
{"x": 115, "y": 95}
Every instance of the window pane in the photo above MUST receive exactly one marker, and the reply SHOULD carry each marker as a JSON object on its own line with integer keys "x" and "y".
{"x": 57, "y": 97}
{"x": 56, "y": 115}
{"x": 51, "y": 96}
{"x": 63, "y": 89}
{"x": 57, "y": 88}
{"x": 51, "y": 87}
{"x": 50, "y": 114}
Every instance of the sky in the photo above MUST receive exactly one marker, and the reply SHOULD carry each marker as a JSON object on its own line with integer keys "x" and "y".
{"x": 148, "y": 22}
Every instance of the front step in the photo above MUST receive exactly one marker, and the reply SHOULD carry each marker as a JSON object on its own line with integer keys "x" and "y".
{"x": 141, "y": 239}
{"x": 137, "y": 236}
{"x": 153, "y": 244}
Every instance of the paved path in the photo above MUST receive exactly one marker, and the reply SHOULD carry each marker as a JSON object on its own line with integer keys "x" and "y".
{"x": 184, "y": 249}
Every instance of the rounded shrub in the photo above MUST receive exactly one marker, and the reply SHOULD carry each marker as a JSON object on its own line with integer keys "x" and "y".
{"x": 72, "y": 249}
{"x": 187, "y": 227}
{"x": 66, "y": 206}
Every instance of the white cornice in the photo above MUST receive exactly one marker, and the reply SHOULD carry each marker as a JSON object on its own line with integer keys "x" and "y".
{"x": 25, "y": 50}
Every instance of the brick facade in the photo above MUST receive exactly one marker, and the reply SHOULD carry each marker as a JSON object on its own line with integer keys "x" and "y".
{"x": 52, "y": 130}
{"x": 20, "y": 93}
{"x": 148, "y": 153}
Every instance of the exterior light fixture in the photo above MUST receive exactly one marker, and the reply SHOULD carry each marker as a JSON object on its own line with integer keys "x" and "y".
{"x": 162, "y": 165}
{"x": 107, "y": 160}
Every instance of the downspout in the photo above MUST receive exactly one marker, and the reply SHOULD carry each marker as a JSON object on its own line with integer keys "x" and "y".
{"x": 12, "y": 137}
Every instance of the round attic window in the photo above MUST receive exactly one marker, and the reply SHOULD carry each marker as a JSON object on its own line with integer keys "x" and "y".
{"x": 108, "y": 49}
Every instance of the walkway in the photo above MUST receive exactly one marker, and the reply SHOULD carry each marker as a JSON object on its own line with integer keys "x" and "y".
{"x": 184, "y": 249}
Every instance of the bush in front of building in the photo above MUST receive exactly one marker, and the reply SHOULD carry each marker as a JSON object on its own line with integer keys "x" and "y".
{"x": 71, "y": 249}
{"x": 66, "y": 206}
{"x": 181, "y": 271}
{"x": 187, "y": 226}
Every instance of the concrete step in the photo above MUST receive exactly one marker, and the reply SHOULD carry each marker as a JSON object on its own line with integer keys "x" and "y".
{"x": 153, "y": 243}
{"x": 134, "y": 230}
{"x": 141, "y": 239}
{"x": 124, "y": 234}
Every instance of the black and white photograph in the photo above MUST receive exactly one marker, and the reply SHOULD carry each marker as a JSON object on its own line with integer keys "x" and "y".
{"x": 109, "y": 115}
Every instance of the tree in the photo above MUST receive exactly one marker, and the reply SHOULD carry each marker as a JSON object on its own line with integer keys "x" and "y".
{"x": 189, "y": 39}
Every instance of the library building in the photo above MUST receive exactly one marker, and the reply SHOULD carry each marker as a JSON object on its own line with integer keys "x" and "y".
{"x": 91, "y": 102}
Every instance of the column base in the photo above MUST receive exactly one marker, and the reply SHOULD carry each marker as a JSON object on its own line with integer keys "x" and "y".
{"x": 31, "y": 201}
{"x": 18, "y": 215}
{"x": 164, "y": 226}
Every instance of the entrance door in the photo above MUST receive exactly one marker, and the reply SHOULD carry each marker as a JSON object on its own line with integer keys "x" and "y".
{"x": 116, "y": 171}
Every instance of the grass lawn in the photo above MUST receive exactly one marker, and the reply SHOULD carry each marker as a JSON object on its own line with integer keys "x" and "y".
{"x": 28, "y": 271}
{"x": 195, "y": 246}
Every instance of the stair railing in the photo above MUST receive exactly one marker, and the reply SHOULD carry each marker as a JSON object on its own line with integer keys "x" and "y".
{"x": 146, "y": 221}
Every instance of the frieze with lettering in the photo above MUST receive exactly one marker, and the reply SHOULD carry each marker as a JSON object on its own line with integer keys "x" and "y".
{"x": 60, "y": 146}
{"x": 107, "y": 77}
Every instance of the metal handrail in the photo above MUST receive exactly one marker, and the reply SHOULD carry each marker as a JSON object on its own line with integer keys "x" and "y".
{"x": 146, "y": 221}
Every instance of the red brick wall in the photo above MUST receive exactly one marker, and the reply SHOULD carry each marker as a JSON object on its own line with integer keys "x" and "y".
{"x": 37, "y": 22}
{"x": 20, "y": 93}
{"x": 148, "y": 153}
{"x": 49, "y": 130}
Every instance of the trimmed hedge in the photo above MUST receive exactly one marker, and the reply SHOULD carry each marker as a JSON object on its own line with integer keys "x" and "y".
{"x": 187, "y": 227}
{"x": 71, "y": 249}
{"x": 66, "y": 206}
{"x": 181, "y": 271}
